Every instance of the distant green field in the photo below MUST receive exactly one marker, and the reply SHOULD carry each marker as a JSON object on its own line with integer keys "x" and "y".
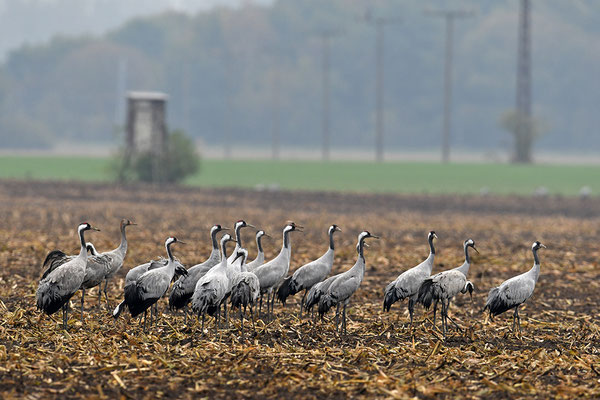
{"x": 398, "y": 177}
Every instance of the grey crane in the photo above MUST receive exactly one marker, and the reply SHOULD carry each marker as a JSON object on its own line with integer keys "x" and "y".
{"x": 305, "y": 277}
{"x": 56, "y": 258}
{"x": 183, "y": 289}
{"x": 407, "y": 284}
{"x": 146, "y": 290}
{"x": 96, "y": 269}
{"x": 57, "y": 287}
{"x": 271, "y": 273}
{"x": 260, "y": 256}
{"x": 134, "y": 273}
{"x": 212, "y": 288}
{"x": 346, "y": 284}
{"x": 245, "y": 289}
{"x": 444, "y": 285}
{"x": 515, "y": 291}
{"x": 117, "y": 256}
{"x": 238, "y": 237}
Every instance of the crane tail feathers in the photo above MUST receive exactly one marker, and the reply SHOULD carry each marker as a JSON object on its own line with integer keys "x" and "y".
{"x": 391, "y": 296}
{"x": 325, "y": 303}
{"x": 496, "y": 303}
{"x": 285, "y": 290}
{"x": 425, "y": 296}
{"x": 118, "y": 309}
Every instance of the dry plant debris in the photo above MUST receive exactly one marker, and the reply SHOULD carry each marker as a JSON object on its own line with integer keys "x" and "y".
{"x": 558, "y": 355}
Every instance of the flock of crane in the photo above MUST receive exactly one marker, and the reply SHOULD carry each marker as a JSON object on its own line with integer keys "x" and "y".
{"x": 220, "y": 280}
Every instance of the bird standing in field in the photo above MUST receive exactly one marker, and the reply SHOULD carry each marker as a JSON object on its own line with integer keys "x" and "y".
{"x": 245, "y": 288}
{"x": 309, "y": 274}
{"x": 346, "y": 284}
{"x": 117, "y": 257}
{"x": 238, "y": 238}
{"x": 444, "y": 285}
{"x": 407, "y": 284}
{"x": 146, "y": 290}
{"x": 515, "y": 291}
{"x": 260, "y": 256}
{"x": 58, "y": 285}
{"x": 97, "y": 266}
{"x": 212, "y": 288}
{"x": 271, "y": 273}
{"x": 183, "y": 289}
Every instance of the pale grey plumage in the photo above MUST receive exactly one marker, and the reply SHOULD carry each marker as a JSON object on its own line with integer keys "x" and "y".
{"x": 272, "y": 273}
{"x": 311, "y": 273}
{"x": 116, "y": 257}
{"x": 59, "y": 285}
{"x": 183, "y": 289}
{"x": 444, "y": 285}
{"x": 245, "y": 288}
{"x": 515, "y": 291}
{"x": 407, "y": 284}
{"x": 346, "y": 284}
{"x": 260, "y": 256}
{"x": 152, "y": 285}
{"x": 211, "y": 289}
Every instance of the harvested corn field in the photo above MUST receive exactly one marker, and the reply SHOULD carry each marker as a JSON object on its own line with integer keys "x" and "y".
{"x": 379, "y": 357}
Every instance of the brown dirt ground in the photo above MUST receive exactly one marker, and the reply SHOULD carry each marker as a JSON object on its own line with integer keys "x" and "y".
{"x": 558, "y": 355}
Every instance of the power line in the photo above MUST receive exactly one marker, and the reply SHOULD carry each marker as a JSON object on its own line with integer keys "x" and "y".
{"x": 449, "y": 16}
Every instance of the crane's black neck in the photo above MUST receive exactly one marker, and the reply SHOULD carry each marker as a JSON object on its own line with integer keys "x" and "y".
{"x": 259, "y": 244}
{"x": 467, "y": 258}
{"x": 331, "y": 245}
{"x": 238, "y": 235}
{"x": 213, "y": 237}
{"x": 535, "y": 256}
{"x": 82, "y": 239}
{"x": 224, "y": 250}
{"x": 361, "y": 245}
{"x": 169, "y": 253}
{"x": 431, "y": 248}
{"x": 286, "y": 238}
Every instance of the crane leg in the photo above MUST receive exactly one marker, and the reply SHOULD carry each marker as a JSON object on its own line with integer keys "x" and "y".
{"x": 411, "y": 310}
{"x": 82, "y": 299}
{"x": 337, "y": 317}
{"x": 273, "y": 305}
{"x": 443, "y": 318}
{"x": 434, "y": 311}
{"x": 242, "y": 323}
{"x": 99, "y": 295}
{"x": 145, "y": 315}
{"x": 252, "y": 316}
{"x": 64, "y": 315}
{"x": 302, "y": 303}
{"x": 260, "y": 305}
{"x": 516, "y": 321}
{"x": 344, "y": 320}
{"x": 203, "y": 323}
{"x": 185, "y": 316}
{"x": 105, "y": 294}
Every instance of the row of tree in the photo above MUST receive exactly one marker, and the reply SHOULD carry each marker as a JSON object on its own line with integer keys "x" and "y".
{"x": 243, "y": 73}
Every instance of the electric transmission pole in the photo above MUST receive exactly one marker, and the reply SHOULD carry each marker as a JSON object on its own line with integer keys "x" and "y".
{"x": 524, "y": 139}
{"x": 326, "y": 37}
{"x": 379, "y": 23}
{"x": 449, "y": 16}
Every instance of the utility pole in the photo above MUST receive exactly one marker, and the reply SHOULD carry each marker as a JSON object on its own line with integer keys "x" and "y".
{"x": 326, "y": 36}
{"x": 524, "y": 139}
{"x": 379, "y": 23}
{"x": 276, "y": 107}
{"x": 449, "y": 16}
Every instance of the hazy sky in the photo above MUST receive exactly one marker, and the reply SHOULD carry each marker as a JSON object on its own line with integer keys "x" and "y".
{"x": 35, "y": 21}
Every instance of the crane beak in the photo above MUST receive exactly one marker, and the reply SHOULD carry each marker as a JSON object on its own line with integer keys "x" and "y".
{"x": 541, "y": 245}
{"x": 366, "y": 244}
{"x": 225, "y": 229}
{"x": 375, "y": 237}
{"x": 131, "y": 223}
{"x": 474, "y": 248}
{"x": 337, "y": 228}
{"x": 267, "y": 235}
{"x": 95, "y": 229}
{"x": 179, "y": 241}
{"x": 250, "y": 226}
